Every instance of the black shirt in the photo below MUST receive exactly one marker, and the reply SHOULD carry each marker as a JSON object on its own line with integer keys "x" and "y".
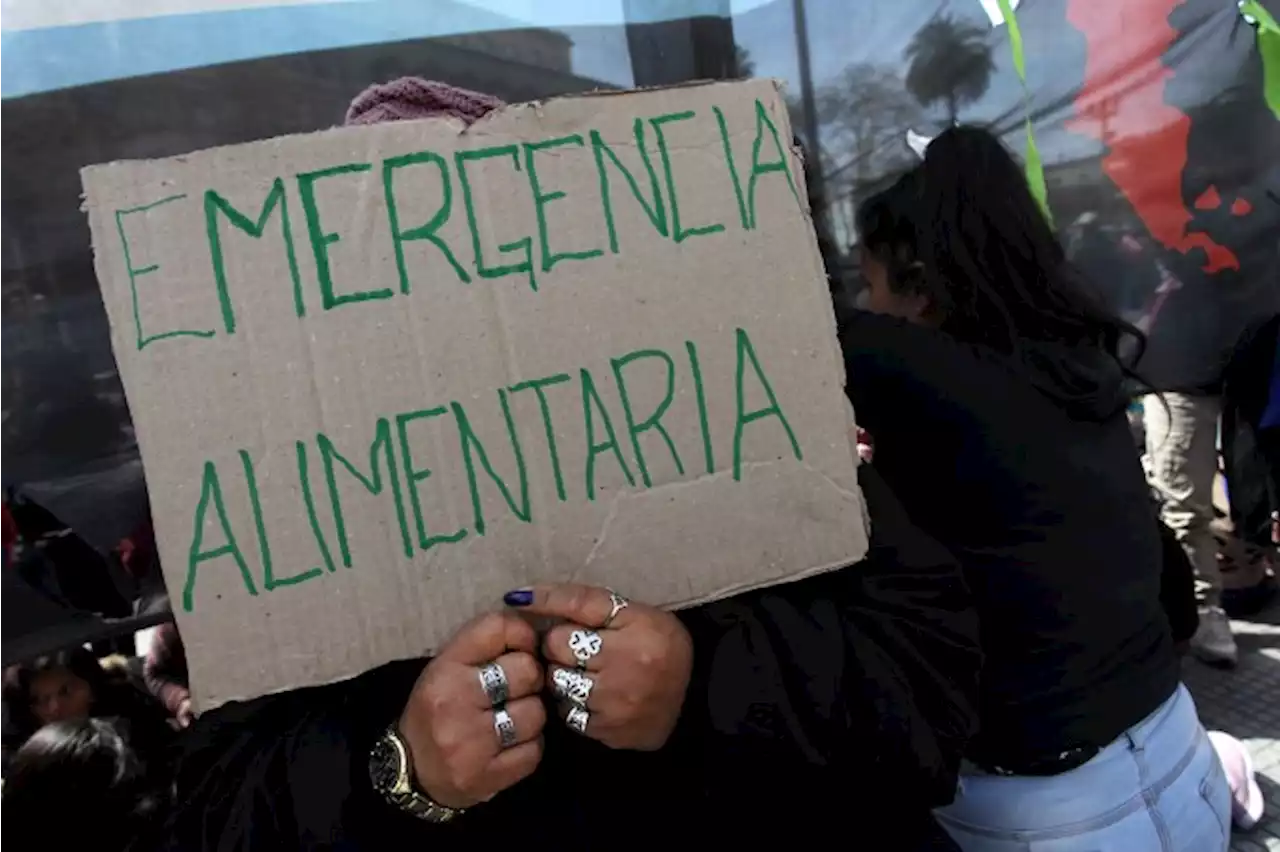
{"x": 1025, "y": 470}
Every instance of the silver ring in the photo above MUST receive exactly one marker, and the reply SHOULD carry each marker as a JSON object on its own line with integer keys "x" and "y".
{"x": 493, "y": 680}
{"x": 577, "y": 718}
{"x": 584, "y": 644}
{"x": 572, "y": 686}
{"x": 617, "y": 604}
{"x": 505, "y": 727}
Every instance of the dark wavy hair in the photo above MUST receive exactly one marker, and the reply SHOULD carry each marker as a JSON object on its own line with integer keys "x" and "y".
{"x": 963, "y": 229}
{"x": 80, "y": 785}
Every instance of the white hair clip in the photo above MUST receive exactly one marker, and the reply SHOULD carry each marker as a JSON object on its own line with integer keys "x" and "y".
{"x": 918, "y": 143}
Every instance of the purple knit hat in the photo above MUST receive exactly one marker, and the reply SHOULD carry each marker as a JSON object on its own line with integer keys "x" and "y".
{"x": 412, "y": 97}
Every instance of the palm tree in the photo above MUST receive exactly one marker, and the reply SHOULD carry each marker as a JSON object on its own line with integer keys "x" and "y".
{"x": 950, "y": 62}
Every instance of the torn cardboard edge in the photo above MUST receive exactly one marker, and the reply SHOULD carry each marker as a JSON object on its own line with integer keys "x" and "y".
{"x": 702, "y": 600}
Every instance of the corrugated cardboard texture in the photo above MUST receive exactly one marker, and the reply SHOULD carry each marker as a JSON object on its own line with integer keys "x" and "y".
{"x": 348, "y": 434}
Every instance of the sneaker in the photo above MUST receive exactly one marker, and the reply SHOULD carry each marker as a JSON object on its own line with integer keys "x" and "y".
{"x": 1213, "y": 642}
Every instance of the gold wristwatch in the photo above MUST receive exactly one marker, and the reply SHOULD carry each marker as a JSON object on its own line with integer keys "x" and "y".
{"x": 391, "y": 771}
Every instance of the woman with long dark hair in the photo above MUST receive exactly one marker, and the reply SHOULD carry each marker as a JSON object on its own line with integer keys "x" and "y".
{"x": 992, "y": 382}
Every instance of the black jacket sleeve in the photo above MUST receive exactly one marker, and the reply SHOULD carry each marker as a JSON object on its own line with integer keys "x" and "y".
{"x": 1177, "y": 587}
{"x": 289, "y": 771}
{"x": 867, "y": 675}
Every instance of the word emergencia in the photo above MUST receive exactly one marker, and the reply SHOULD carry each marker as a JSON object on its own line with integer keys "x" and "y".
{"x": 380, "y": 375}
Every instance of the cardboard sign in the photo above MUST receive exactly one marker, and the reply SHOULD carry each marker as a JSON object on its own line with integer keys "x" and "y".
{"x": 381, "y": 375}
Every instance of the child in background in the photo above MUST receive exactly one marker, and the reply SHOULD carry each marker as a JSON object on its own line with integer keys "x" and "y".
{"x": 81, "y": 785}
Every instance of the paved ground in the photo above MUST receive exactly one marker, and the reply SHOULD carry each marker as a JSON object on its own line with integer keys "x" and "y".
{"x": 1246, "y": 704}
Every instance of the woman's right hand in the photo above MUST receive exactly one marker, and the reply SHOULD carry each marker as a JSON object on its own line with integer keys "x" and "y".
{"x": 448, "y": 721}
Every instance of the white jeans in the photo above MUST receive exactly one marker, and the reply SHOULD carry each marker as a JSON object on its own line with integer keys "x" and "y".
{"x": 1182, "y": 461}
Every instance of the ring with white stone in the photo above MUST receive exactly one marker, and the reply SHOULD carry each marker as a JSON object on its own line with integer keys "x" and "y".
{"x": 505, "y": 727}
{"x": 577, "y": 719}
{"x": 493, "y": 680}
{"x": 584, "y": 644}
{"x": 572, "y": 686}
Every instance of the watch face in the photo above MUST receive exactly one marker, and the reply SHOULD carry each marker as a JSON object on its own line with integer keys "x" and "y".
{"x": 384, "y": 765}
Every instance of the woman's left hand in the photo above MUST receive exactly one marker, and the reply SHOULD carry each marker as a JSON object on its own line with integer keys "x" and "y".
{"x": 185, "y": 714}
{"x": 620, "y": 668}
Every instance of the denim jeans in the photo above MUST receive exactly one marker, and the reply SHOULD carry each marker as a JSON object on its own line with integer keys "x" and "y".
{"x": 1157, "y": 788}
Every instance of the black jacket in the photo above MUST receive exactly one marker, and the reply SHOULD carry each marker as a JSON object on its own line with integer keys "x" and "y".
{"x": 1177, "y": 587}
{"x": 835, "y": 707}
{"x": 1251, "y": 453}
{"x": 1025, "y": 469}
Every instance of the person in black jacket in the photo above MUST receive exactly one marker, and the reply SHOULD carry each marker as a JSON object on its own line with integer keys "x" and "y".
{"x": 1251, "y": 432}
{"x": 837, "y": 705}
{"x": 990, "y": 380}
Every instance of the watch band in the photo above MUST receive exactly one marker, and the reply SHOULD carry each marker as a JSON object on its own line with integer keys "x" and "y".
{"x": 401, "y": 793}
{"x": 418, "y": 805}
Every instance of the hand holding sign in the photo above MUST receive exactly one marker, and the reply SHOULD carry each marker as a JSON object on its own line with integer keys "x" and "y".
{"x": 449, "y": 720}
{"x": 625, "y": 663}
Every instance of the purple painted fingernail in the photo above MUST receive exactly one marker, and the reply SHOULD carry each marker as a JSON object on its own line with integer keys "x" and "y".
{"x": 518, "y": 597}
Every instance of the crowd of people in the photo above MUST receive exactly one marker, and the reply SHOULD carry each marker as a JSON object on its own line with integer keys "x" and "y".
{"x": 1001, "y": 671}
